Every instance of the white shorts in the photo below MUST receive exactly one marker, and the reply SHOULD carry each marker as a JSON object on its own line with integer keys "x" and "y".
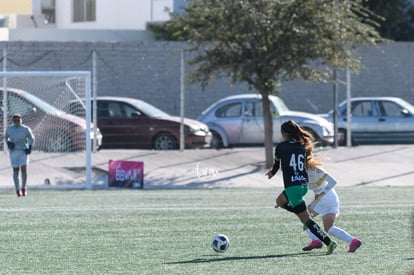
{"x": 329, "y": 203}
{"x": 18, "y": 158}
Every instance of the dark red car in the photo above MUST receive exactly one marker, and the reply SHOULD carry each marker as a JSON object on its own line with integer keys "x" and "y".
{"x": 133, "y": 123}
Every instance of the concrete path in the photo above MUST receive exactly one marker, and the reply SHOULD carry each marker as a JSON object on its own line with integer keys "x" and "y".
{"x": 389, "y": 165}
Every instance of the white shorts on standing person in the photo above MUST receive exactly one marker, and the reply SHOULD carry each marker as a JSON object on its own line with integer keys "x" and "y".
{"x": 326, "y": 204}
{"x": 19, "y": 139}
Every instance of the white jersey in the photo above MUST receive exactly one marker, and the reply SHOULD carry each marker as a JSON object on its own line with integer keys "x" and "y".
{"x": 319, "y": 180}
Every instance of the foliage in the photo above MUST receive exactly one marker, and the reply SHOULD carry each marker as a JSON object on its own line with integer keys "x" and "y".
{"x": 169, "y": 232}
{"x": 398, "y": 23}
{"x": 266, "y": 42}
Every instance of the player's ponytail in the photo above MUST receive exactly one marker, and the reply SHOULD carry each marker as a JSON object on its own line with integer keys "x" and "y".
{"x": 298, "y": 134}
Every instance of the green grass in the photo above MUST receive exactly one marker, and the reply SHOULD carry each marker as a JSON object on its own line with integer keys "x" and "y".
{"x": 169, "y": 232}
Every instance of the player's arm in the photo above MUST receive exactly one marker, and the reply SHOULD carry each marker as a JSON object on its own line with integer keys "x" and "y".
{"x": 331, "y": 183}
{"x": 274, "y": 169}
{"x": 10, "y": 145}
{"x": 30, "y": 141}
{"x": 6, "y": 135}
{"x": 30, "y": 137}
{"x": 311, "y": 208}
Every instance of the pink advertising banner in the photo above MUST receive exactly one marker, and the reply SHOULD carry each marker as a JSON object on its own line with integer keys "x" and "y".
{"x": 128, "y": 174}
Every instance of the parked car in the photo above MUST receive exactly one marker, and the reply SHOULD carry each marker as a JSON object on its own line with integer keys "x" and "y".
{"x": 133, "y": 123}
{"x": 54, "y": 130}
{"x": 238, "y": 120}
{"x": 376, "y": 120}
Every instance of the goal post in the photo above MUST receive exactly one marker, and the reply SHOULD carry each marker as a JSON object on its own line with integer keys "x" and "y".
{"x": 41, "y": 97}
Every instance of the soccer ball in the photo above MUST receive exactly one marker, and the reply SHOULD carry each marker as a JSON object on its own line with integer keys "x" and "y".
{"x": 220, "y": 243}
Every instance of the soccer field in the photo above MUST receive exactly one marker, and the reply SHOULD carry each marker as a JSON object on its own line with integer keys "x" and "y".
{"x": 169, "y": 232}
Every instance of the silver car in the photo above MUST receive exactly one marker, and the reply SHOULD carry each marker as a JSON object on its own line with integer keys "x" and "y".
{"x": 376, "y": 120}
{"x": 238, "y": 120}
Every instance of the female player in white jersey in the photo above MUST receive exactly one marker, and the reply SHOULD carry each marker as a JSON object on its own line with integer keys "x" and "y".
{"x": 326, "y": 204}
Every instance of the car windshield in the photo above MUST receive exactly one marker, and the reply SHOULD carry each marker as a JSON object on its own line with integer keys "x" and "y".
{"x": 148, "y": 109}
{"x": 279, "y": 104}
{"x": 39, "y": 103}
{"x": 406, "y": 105}
{"x": 46, "y": 107}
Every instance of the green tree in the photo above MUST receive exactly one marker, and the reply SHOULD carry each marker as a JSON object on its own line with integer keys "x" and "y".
{"x": 398, "y": 23}
{"x": 265, "y": 42}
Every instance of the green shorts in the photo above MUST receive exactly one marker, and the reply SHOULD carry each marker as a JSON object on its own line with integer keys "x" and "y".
{"x": 295, "y": 194}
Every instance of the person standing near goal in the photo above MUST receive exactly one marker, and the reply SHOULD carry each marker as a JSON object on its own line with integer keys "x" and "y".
{"x": 19, "y": 139}
{"x": 326, "y": 203}
{"x": 291, "y": 155}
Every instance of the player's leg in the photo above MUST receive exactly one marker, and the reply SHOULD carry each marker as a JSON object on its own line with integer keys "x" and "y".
{"x": 291, "y": 197}
{"x": 292, "y": 200}
{"x": 22, "y": 159}
{"x": 14, "y": 161}
{"x": 315, "y": 242}
{"x": 281, "y": 200}
{"x": 328, "y": 221}
{"x": 16, "y": 181}
{"x": 329, "y": 203}
{"x": 24, "y": 179}
{"x": 318, "y": 232}
{"x": 295, "y": 196}
{"x": 303, "y": 215}
{"x": 328, "y": 207}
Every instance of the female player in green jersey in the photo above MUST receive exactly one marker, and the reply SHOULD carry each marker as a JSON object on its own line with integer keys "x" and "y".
{"x": 291, "y": 155}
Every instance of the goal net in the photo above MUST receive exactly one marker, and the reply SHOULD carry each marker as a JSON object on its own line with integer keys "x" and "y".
{"x": 62, "y": 153}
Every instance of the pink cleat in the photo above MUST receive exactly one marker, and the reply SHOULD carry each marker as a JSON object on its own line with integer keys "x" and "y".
{"x": 315, "y": 244}
{"x": 354, "y": 245}
{"x": 24, "y": 192}
{"x": 18, "y": 193}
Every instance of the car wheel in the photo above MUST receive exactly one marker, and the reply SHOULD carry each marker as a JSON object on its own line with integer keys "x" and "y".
{"x": 58, "y": 142}
{"x": 164, "y": 141}
{"x": 216, "y": 141}
{"x": 342, "y": 139}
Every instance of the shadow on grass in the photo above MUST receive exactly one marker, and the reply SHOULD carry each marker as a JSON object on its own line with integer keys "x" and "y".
{"x": 219, "y": 258}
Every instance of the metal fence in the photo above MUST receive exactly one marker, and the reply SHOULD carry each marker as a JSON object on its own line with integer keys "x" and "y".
{"x": 151, "y": 71}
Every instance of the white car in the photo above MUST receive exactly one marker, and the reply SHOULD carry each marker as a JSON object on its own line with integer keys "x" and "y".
{"x": 238, "y": 120}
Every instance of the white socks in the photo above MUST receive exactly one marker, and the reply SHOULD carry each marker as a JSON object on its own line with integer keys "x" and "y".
{"x": 340, "y": 234}
{"x": 336, "y": 232}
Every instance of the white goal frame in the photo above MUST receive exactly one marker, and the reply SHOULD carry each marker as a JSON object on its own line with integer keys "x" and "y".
{"x": 88, "y": 88}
